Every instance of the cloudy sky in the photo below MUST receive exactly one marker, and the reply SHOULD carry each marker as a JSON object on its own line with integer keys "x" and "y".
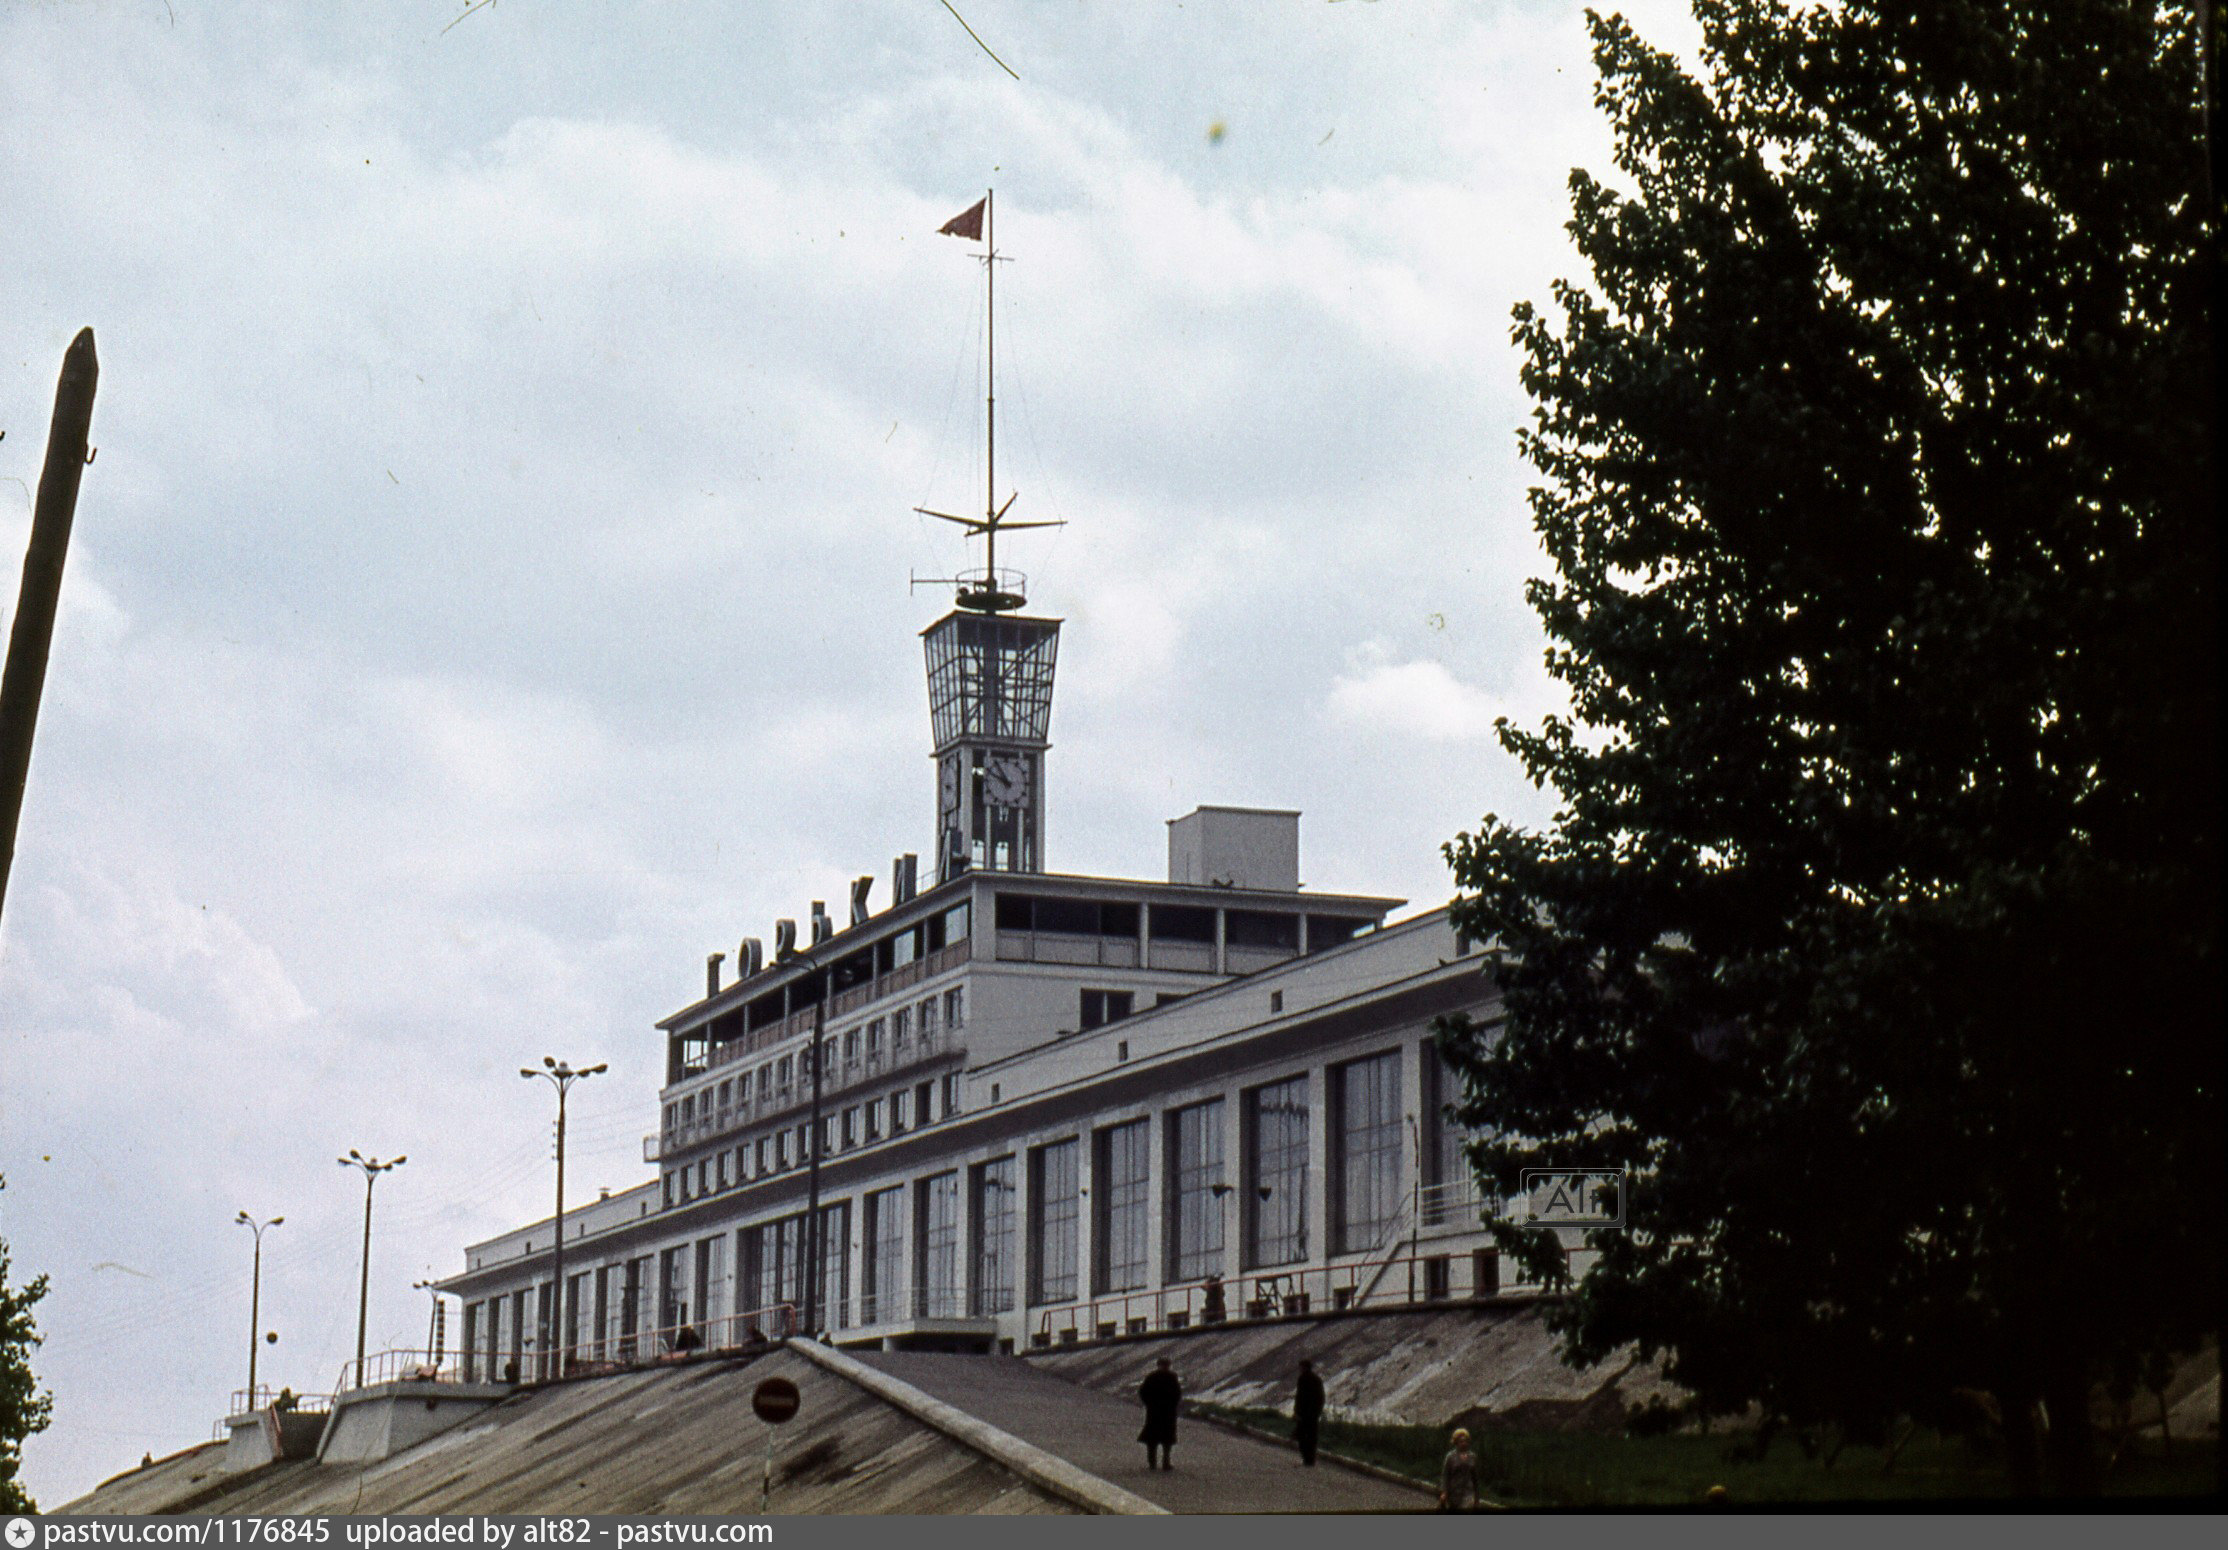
{"x": 491, "y": 595}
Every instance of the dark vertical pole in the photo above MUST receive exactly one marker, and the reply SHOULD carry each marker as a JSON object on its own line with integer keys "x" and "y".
{"x": 990, "y": 377}
{"x": 33, "y": 634}
{"x": 255, "y": 1316}
{"x": 813, "y": 1250}
{"x": 363, "y": 1286}
{"x": 557, "y": 1341}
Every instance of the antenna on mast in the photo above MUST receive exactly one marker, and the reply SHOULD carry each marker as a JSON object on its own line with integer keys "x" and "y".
{"x": 990, "y": 590}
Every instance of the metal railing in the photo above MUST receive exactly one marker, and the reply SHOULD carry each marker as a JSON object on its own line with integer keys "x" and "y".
{"x": 921, "y": 1049}
{"x": 1270, "y": 1294}
{"x": 265, "y": 1397}
{"x": 531, "y": 1362}
{"x": 842, "y": 1004}
{"x": 1456, "y": 1204}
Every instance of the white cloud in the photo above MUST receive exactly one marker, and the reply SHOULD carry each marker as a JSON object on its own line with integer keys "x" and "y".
{"x": 1412, "y": 699}
{"x": 490, "y": 596}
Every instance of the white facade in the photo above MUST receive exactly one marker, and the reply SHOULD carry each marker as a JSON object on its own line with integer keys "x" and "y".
{"x": 1049, "y": 1108}
{"x": 1007, "y": 1183}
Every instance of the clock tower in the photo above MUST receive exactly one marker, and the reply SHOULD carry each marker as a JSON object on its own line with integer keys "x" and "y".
{"x": 989, "y": 665}
{"x": 990, "y": 708}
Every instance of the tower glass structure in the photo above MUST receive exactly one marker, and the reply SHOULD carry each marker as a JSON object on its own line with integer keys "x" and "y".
{"x": 990, "y": 711}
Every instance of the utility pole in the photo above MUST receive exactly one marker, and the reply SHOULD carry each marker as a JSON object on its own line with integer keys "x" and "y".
{"x": 32, "y": 636}
{"x": 560, "y": 1076}
{"x": 815, "y": 1253}
{"x": 371, "y": 1168}
{"x": 255, "y": 1297}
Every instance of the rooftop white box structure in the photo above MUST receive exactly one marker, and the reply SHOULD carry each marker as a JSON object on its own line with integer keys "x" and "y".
{"x": 1236, "y": 847}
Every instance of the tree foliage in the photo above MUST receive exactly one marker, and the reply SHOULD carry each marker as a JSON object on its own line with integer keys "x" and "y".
{"x": 23, "y": 1408}
{"x": 1877, "y": 930}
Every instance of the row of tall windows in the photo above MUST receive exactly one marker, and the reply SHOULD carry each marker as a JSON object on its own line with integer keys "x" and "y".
{"x": 1123, "y": 1179}
{"x": 915, "y": 1262}
{"x": 992, "y": 1286}
{"x": 1198, "y": 1193}
{"x": 936, "y": 1286}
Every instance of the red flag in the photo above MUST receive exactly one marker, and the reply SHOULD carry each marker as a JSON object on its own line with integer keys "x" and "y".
{"x": 967, "y": 224}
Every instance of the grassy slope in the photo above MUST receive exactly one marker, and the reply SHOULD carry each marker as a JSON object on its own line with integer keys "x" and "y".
{"x": 1567, "y": 1469}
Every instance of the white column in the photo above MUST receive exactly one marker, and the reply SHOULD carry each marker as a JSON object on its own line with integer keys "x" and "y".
{"x": 1320, "y": 1185}
{"x": 1238, "y": 1176}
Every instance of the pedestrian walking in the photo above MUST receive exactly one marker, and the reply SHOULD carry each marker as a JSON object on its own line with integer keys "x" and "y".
{"x": 1458, "y": 1476}
{"x": 1160, "y": 1393}
{"x": 1307, "y": 1412}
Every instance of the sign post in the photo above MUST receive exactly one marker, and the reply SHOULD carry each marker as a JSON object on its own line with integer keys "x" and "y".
{"x": 775, "y": 1401}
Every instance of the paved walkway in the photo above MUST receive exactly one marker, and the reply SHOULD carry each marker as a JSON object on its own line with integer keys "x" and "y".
{"x": 1216, "y": 1470}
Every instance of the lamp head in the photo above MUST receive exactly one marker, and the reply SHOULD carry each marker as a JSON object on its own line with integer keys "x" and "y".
{"x": 550, "y": 1061}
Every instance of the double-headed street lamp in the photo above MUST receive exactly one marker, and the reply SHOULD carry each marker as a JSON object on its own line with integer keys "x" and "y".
{"x": 255, "y": 1296}
{"x": 371, "y": 1168}
{"x": 560, "y": 1076}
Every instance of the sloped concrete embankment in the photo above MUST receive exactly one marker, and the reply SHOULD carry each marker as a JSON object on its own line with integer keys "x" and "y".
{"x": 1495, "y": 1364}
{"x": 673, "y": 1440}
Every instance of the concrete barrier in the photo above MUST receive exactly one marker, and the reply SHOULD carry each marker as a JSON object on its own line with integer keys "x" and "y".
{"x": 259, "y": 1437}
{"x": 1041, "y": 1469}
{"x": 377, "y": 1422}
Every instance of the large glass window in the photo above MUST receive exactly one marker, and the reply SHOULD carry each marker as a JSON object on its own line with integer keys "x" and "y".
{"x": 1276, "y": 1193}
{"x": 883, "y": 1288}
{"x": 835, "y": 1265}
{"x": 1365, "y": 1097}
{"x": 936, "y": 1260}
{"x": 1197, "y": 1208}
{"x": 993, "y": 1207}
{"x": 1054, "y": 1180}
{"x": 1121, "y": 1187}
{"x": 673, "y": 1291}
{"x": 712, "y": 1293}
{"x": 1449, "y": 1195}
{"x": 779, "y": 1255}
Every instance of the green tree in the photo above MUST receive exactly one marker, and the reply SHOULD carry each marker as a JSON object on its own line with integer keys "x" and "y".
{"x": 1877, "y": 929}
{"x": 23, "y": 1408}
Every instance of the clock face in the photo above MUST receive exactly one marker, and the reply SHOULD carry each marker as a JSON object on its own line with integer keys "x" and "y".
{"x": 951, "y": 781}
{"x": 1006, "y": 780}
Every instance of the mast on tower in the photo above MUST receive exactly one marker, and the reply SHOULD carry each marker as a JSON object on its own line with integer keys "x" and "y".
{"x": 990, "y": 668}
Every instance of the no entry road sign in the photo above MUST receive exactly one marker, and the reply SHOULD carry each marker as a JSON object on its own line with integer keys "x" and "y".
{"x": 775, "y": 1400}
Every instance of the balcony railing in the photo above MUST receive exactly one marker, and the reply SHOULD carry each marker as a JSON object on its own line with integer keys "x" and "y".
{"x": 842, "y": 1004}
{"x": 921, "y": 1050}
{"x": 586, "y": 1358}
{"x": 1365, "y": 1285}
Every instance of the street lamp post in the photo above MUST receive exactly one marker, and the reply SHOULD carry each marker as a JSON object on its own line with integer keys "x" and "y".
{"x": 255, "y": 1295}
{"x": 371, "y": 1168}
{"x": 815, "y": 1251}
{"x": 560, "y": 1076}
{"x": 809, "y": 1239}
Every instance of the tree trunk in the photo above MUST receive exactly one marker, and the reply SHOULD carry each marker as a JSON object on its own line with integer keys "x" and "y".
{"x": 33, "y": 632}
{"x": 2072, "y": 1440}
{"x": 2022, "y": 1440}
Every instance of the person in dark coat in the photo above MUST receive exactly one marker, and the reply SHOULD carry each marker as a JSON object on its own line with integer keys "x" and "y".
{"x": 1307, "y": 1413}
{"x": 1160, "y": 1394}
